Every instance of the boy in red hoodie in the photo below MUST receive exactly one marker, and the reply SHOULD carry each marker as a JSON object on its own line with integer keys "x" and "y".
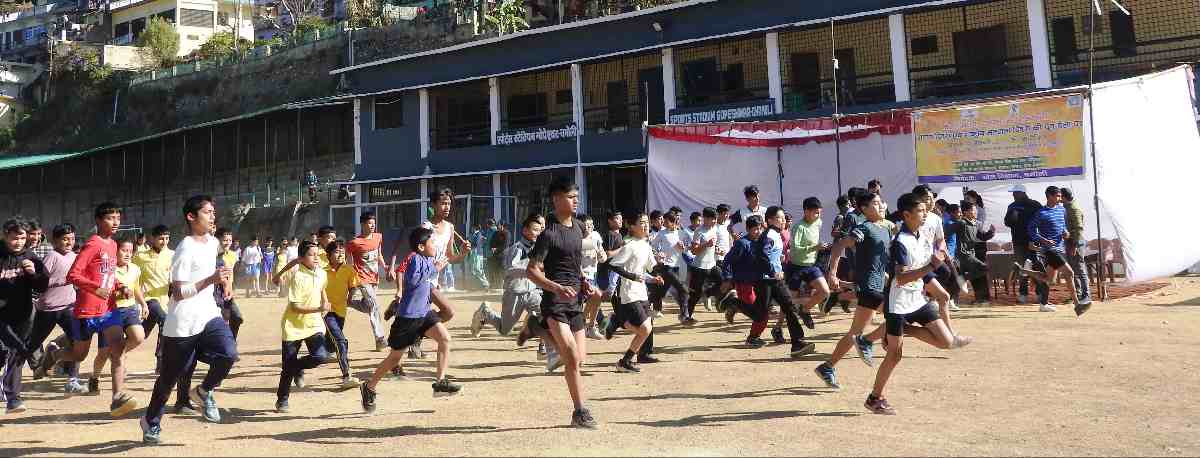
{"x": 94, "y": 276}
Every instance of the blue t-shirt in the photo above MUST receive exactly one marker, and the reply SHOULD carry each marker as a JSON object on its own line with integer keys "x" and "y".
{"x": 418, "y": 287}
{"x": 951, "y": 233}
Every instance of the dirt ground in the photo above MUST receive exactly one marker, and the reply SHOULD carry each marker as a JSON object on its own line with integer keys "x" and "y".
{"x": 1119, "y": 381}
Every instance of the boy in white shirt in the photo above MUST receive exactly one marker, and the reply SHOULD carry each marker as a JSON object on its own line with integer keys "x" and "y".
{"x": 667, "y": 245}
{"x": 753, "y": 207}
{"x": 593, "y": 254}
{"x": 635, "y": 259}
{"x": 703, "y": 270}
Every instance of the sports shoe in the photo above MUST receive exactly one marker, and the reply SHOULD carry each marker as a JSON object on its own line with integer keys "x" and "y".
{"x": 1047, "y": 308}
{"x": 93, "y": 387}
{"x": 879, "y": 406}
{"x": 646, "y": 359}
{"x": 150, "y": 434}
{"x": 690, "y": 321}
{"x": 866, "y": 350}
{"x": 1023, "y": 299}
{"x": 121, "y": 405}
{"x": 610, "y": 330}
{"x": 380, "y": 344}
{"x": 415, "y": 352}
{"x": 390, "y": 312}
{"x": 74, "y": 387}
{"x": 211, "y": 412}
{"x": 806, "y": 318}
{"x": 553, "y": 362}
{"x": 827, "y": 375}
{"x": 582, "y": 418}
{"x": 186, "y": 409}
{"x": 299, "y": 381}
{"x": 777, "y": 335}
{"x": 541, "y": 351}
{"x": 602, "y": 320}
{"x": 730, "y": 313}
{"x": 49, "y": 360}
{"x": 281, "y": 406}
{"x": 594, "y": 333}
{"x": 368, "y": 398}
{"x": 445, "y": 387}
{"x": 1082, "y": 307}
{"x": 755, "y": 342}
{"x": 524, "y": 336}
{"x": 845, "y": 306}
{"x": 14, "y": 405}
{"x": 627, "y": 366}
{"x": 658, "y": 314}
{"x": 477, "y": 319}
{"x": 961, "y": 341}
{"x": 953, "y": 306}
{"x": 349, "y": 382}
{"x": 708, "y": 304}
{"x": 398, "y": 374}
{"x": 827, "y": 306}
{"x": 801, "y": 348}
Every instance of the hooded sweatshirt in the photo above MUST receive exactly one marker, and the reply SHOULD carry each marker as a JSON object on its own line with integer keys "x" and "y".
{"x": 16, "y": 295}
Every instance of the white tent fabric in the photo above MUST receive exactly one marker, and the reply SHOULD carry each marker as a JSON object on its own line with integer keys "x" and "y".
{"x": 1147, "y": 145}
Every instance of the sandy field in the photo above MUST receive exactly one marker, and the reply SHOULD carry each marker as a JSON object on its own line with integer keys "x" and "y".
{"x": 1121, "y": 380}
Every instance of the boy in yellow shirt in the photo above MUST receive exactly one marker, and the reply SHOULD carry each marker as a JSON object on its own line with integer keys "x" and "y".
{"x": 302, "y": 322}
{"x": 342, "y": 279}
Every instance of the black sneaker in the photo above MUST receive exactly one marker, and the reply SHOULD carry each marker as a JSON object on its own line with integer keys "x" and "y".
{"x": 806, "y": 318}
{"x": 282, "y": 406}
{"x": 186, "y": 409}
{"x": 610, "y": 330}
{"x": 879, "y": 406}
{"x": 646, "y": 359}
{"x": 368, "y": 398}
{"x": 524, "y": 336}
{"x": 801, "y": 348}
{"x": 627, "y": 366}
{"x": 755, "y": 342}
{"x": 777, "y": 335}
{"x": 93, "y": 386}
{"x": 1082, "y": 307}
{"x": 398, "y": 373}
{"x": 828, "y": 305}
{"x": 582, "y": 418}
{"x": 827, "y": 375}
{"x": 445, "y": 387}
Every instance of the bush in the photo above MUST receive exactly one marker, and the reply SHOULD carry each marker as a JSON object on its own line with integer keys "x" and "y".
{"x": 307, "y": 25}
{"x": 159, "y": 43}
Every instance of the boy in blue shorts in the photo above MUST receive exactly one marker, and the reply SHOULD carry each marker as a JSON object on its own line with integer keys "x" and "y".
{"x": 415, "y": 318}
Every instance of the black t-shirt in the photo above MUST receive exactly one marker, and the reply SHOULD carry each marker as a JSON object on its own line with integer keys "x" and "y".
{"x": 560, "y": 249}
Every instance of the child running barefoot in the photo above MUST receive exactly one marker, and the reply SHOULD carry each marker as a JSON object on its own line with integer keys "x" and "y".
{"x": 302, "y": 322}
{"x": 415, "y": 318}
{"x": 908, "y": 308}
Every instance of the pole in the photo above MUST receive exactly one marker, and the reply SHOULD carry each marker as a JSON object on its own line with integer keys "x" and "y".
{"x": 1092, "y": 8}
{"x": 779, "y": 165}
{"x": 837, "y": 132}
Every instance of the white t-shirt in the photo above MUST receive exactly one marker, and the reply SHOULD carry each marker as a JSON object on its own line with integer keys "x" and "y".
{"x": 442, "y": 234}
{"x": 638, "y": 258}
{"x": 908, "y": 254}
{"x": 593, "y": 252}
{"x": 293, "y": 252}
{"x": 251, "y": 255}
{"x": 724, "y": 240}
{"x": 193, "y": 262}
{"x": 707, "y": 259}
{"x": 664, "y": 242}
{"x": 932, "y": 231}
{"x": 745, "y": 213}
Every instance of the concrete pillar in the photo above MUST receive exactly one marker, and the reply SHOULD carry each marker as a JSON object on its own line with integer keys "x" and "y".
{"x": 774, "y": 71}
{"x": 1039, "y": 44}
{"x": 357, "y": 131}
{"x": 668, "y": 65}
{"x": 423, "y": 124}
{"x": 577, "y": 96}
{"x": 494, "y": 105}
{"x": 424, "y": 200}
{"x": 899, "y": 45}
{"x": 496, "y": 200}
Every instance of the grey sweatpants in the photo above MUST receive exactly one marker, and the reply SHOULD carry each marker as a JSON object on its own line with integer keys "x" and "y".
{"x": 369, "y": 305}
{"x": 514, "y": 305}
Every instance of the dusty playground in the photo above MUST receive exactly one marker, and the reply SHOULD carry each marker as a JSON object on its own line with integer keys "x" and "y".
{"x": 1119, "y": 381}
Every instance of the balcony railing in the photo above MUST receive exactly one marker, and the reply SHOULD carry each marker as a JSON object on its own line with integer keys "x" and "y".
{"x": 461, "y": 136}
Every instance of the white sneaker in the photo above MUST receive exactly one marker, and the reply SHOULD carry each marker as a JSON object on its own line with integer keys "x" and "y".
{"x": 553, "y": 361}
{"x": 708, "y": 304}
{"x": 477, "y": 320}
{"x": 594, "y": 333}
{"x": 1047, "y": 308}
{"x": 961, "y": 341}
{"x": 658, "y": 314}
{"x": 952, "y": 306}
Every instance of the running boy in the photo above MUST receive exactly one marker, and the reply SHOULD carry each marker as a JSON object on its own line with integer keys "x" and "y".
{"x": 341, "y": 280}
{"x": 805, "y": 243}
{"x": 740, "y": 271}
{"x": 364, "y": 252}
{"x": 21, "y": 276}
{"x": 1047, "y": 234}
{"x": 415, "y": 318}
{"x": 54, "y": 308}
{"x": 636, "y": 258}
{"x": 131, "y": 309}
{"x": 302, "y": 322}
{"x": 228, "y": 258}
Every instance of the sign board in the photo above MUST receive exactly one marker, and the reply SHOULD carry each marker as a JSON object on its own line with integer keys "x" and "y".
{"x": 722, "y": 113}
{"x": 509, "y": 137}
{"x": 1012, "y": 140}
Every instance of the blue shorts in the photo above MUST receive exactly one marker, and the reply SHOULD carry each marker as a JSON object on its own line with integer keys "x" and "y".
{"x": 127, "y": 316}
{"x": 253, "y": 270}
{"x": 82, "y": 329}
{"x": 800, "y": 276}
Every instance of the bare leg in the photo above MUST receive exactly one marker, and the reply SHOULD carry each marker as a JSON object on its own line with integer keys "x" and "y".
{"x": 862, "y": 316}
{"x": 939, "y": 295}
{"x": 392, "y": 360}
{"x": 570, "y": 348}
{"x": 589, "y": 311}
{"x": 639, "y": 334}
{"x": 894, "y": 354}
{"x": 820, "y": 292}
{"x": 441, "y": 335}
{"x": 115, "y": 338}
{"x": 99, "y": 361}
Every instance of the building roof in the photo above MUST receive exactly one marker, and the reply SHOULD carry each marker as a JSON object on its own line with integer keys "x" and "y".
{"x": 15, "y": 162}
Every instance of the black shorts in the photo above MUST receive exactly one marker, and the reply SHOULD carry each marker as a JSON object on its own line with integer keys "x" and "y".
{"x": 800, "y": 276}
{"x": 1054, "y": 259}
{"x": 567, "y": 313}
{"x": 407, "y": 331}
{"x": 634, "y": 313}
{"x": 870, "y": 299}
{"x": 924, "y": 315}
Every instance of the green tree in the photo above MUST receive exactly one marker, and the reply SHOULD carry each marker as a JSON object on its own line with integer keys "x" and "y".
{"x": 507, "y": 17}
{"x": 159, "y": 43}
{"x": 219, "y": 45}
{"x": 307, "y": 25}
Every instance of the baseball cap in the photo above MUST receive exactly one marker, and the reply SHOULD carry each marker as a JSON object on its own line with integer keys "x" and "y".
{"x": 1016, "y": 188}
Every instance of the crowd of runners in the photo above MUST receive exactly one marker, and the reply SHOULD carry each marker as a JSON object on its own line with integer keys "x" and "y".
{"x": 558, "y": 272}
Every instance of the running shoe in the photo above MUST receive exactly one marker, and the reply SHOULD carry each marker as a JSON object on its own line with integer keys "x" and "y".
{"x": 828, "y": 375}
{"x": 658, "y": 314}
{"x": 477, "y": 319}
{"x": 755, "y": 342}
{"x": 828, "y": 305}
{"x": 445, "y": 387}
{"x": 953, "y": 306}
{"x": 349, "y": 382}
{"x": 524, "y": 336}
{"x": 553, "y": 362}
{"x": 708, "y": 304}
{"x": 186, "y": 409}
{"x": 845, "y": 306}
{"x": 961, "y": 341}
{"x": 150, "y": 434}
{"x": 15, "y": 405}
{"x": 730, "y": 313}
{"x": 878, "y": 405}
{"x": 281, "y": 406}
{"x": 690, "y": 321}
{"x": 398, "y": 374}
{"x": 610, "y": 330}
{"x": 646, "y": 359}
{"x": 415, "y": 352}
{"x": 380, "y": 344}
{"x": 594, "y": 333}
{"x": 541, "y": 351}
{"x": 801, "y": 348}
{"x": 582, "y": 418}
{"x": 866, "y": 350}
{"x": 1048, "y": 308}
{"x": 806, "y": 318}
{"x": 777, "y": 335}
{"x": 627, "y": 366}
{"x": 74, "y": 387}
{"x": 93, "y": 387}
{"x": 1082, "y": 307}
{"x": 49, "y": 360}
{"x": 121, "y": 405}
{"x": 368, "y": 398}
{"x": 211, "y": 412}
{"x": 299, "y": 381}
